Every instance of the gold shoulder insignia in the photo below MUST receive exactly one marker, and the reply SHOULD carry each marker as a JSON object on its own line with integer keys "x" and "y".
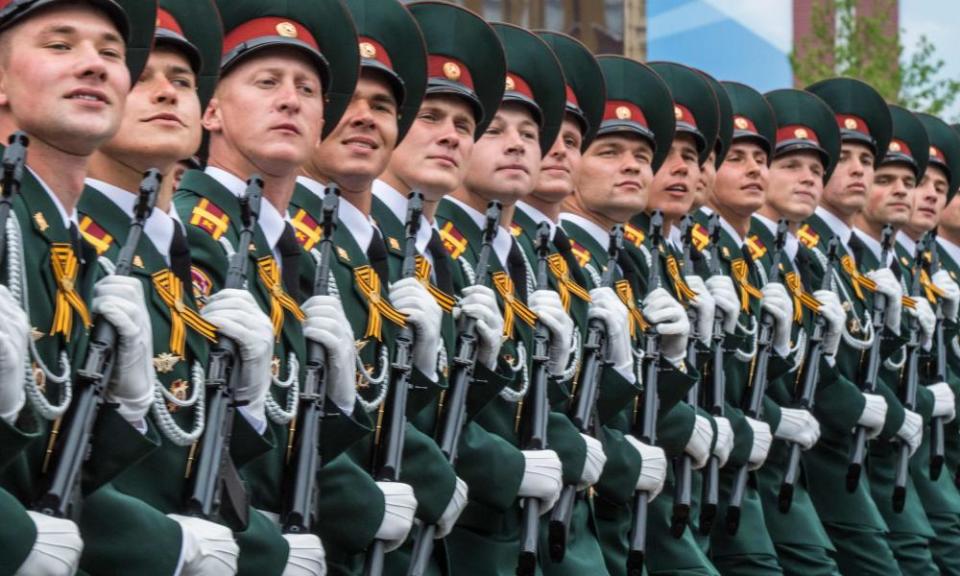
{"x": 633, "y": 235}
{"x": 308, "y": 232}
{"x": 580, "y": 253}
{"x": 516, "y": 230}
{"x": 701, "y": 238}
{"x": 210, "y": 218}
{"x": 808, "y": 236}
{"x": 756, "y": 247}
{"x": 453, "y": 240}
{"x": 41, "y": 221}
{"x": 93, "y": 234}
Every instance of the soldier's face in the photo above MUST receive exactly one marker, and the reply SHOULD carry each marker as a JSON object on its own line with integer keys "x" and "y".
{"x": 675, "y": 183}
{"x": 559, "y": 169}
{"x": 63, "y": 79}
{"x": 796, "y": 184}
{"x": 929, "y": 199}
{"x": 506, "y": 160}
{"x": 742, "y": 179}
{"x": 708, "y": 178}
{"x": 267, "y": 114}
{"x": 615, "y": 176}
{"x": 950, "y": 219}
{"x": 435, "y": 153}
{"x": 358, "y": 149}
{"x": 890, "y": 200}
{"x": 846, "y": 192}
{"x": 161, "y": 122}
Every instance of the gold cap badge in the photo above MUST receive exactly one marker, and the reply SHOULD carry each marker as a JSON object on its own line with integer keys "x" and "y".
{"x": 623, "y": 113}
{"x": 741, "y": 123}
{"x": 451, "y": 71}
{"x": 850, "y": 124}
{"x": 368, "y": 50}
{"x": 678, "y": 112}
{"x": 894, "y": 146}
{"x": 287, "y": 30}
{"x": 510, "y": 84}
{"x": 800, "y": 133}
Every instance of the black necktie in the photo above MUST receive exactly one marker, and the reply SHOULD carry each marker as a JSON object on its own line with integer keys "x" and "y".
{"x": 857, "y": 248}
{"x": 441, "y": 264}
{"x": 562, "y": 243}
{"x": 180, "y": 256}
{"x": 517, "y": 268}
{"x": 75, "y": 242}
{"x": 290, "y": 253}
{"x": 802, "y": 263}
{"x": 377, "y": 256}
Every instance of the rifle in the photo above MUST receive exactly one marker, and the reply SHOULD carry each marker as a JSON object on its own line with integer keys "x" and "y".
{"x": 594, "y": 359}
{"x": 216, "y": 475}
{"x": 810, "y": 379}
{"x": 869, "y": 384}
{"x": 388, "y": 454}
{"x": 909, "y": 387}
{"x": 940, "y": 368}
{"x": 758, "y": 390}
{"x": 536, "y": 435}
{"x": 716, "y": 392}
{"x": 298, "y": 517}
{"x": 460, "y": 379}
{"x": 645, "y": 421}
{"x": 94, "y": 375}
{"x": 14, "y": 159}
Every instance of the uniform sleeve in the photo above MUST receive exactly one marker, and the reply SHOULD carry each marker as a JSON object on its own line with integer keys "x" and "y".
{"x": 492, "y": 467}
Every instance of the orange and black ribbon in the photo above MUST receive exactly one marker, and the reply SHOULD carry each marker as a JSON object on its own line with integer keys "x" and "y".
{"x": 683, "y": 290}
{"x": 512, "y": 308}
{"x": 368, "y": 282}
{"x": 931, "y": 290}
{"x": 858, "y": 280}
{"x": 65, "y": 269}
{"x": 444, "y": 300}
{"x": 741, "y": 270}
{"x": 170, "y": 289}
{"x": 565, "y": 284}
{"x": 634, "y": 316}
{"x": 801, "y": 298}
{"x": 269, "y": 274}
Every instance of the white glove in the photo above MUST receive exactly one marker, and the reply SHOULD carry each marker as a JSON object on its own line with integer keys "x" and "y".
{"x": 425, "y": 315}
{"x": 706, "y": 306}
{"x": 728, "y": 302}
{"x": 400, "y": 506}
{"x": 950, "y": 302}
{"x": 480, "y": 303}
{"x": 606, "y": 306}
{"x": 911, "y": 431}
{"x": 454, "y": 508}
{"x": 725, "y": 438}
{"x": 57, "y": 549}
{"x": 670, "y": 319}
{"x": 119, "y": 299}
{"x": 326, "y": 324}
{"x": 542, "y": 478}
{"x": 698, "y": 447}
{"x": 798, "y": 426}
{"x": 653, "y": 471}
{"x": 207, "y": 548}
{"x": 549, "y": 310}
{"x": 832, "y": 312}
{"x": 925, "y": 319}
{"x": 761, "y": 442}
{"x": 944, "y": 401}
{"x": 777, "y": 303}
{"x": 874, "y": 414}
{"x": 14, "y": 334}
{"x": 596, "y": 460}
{"x": 238, "y": 316}
{"x": 307, "y": 557}
{"x": 889, "y": 286}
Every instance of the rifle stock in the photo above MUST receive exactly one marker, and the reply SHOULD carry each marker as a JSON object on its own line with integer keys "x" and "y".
{"x": 716, "y": 392}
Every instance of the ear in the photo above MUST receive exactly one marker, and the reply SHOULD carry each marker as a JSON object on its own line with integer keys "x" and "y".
{"x": 212, "y": 117}
{"x": 4, "y": 99}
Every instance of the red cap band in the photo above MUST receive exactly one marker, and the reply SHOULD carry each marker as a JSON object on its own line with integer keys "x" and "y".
{"x": 449, "y": 69}
{"x": 745, "y": 124}
{"x": 623, "y": 111}
{"x": 265, "y": 27}
{"x": 855, "y": 123}
{"x": 166, "y": 21}
{"x": 515, "y": 83}
{"x": 572, "y": 97}
{"x": 373, "y": 50}
{"x": 683, "y": 114}
{"x": 937, "y": 154}
{"x": 796, "y": 132}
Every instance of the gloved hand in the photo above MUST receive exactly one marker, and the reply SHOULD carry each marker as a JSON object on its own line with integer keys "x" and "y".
{"x": 653, "y": 471}
{"x": 724, "y": 444}
{"x": 777, "y": 303}
{"x": 698, "y": 446}
{"x": 207, "y": 548}
{"x": 542, "y": 478}
{"x": 925, "y": 319}
{"x": 327, "y": 324}
{"x": 400, "y": 506}
{"x": 453, "y": 510}
{"x": 606, "y": 306}
{"x": 873, "y": 415}
{"x": 944, "y": 401}
{"x": 889, "y": 286}
{"x": 57, "y": 549}
{"x": 728, "y": 302}
{"x": 307, "y": 556}
{"x": 424, "y": 314}
{"x": 670, "y": 320}
{"x": 238, "y": 316}
{"x": 705, "y": 305}
{"x": 549, "y": 310}
{"x": 798, "y": 426}
{"x": 950, "y": 302}
{"x": 911, "y": 431}
{"x": 480, "y": 303}
{"x": 593, "y": 467}
{"x": 761, "y": 442}
{"x": 119, "y": 299}
{"x": 832, "y": 312}
{"x": 14, "y": 332}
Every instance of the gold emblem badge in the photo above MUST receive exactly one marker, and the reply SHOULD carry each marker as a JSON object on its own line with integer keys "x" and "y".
{"x": 894, "y": 146}
{"x": 36, "y": 334}
{"x": 850, "y": 124}
{"x": 275, "y": 366}
{"x": 394, "y": 243}
{"x": 451, "y": 71}
{"x": 725, "y": 251}
{"x": 853, "y": 326}
{"x": 623, "y": 113}
{"x": 342, "y": 254}
{"x": 287, "y": 30}
{"x": 40, "y": 377}
{"x": 179, "y": 389}
{"x": 368, "y": 50}
{"x": 935, "y": 152}
{"x": 678, "y": 112}
{"x": 138, "y": 261}
{"x": 41, "y": 221}
{"x": 800, "y": 133}
{"x": 361, "y": 382}
{"x": 164, "y": 362}
{"x": 741, "y": 123}
{"x": 510, "y": 83}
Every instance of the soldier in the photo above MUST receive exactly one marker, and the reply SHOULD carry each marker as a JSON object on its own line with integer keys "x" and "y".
{"x": 68, "y": 67}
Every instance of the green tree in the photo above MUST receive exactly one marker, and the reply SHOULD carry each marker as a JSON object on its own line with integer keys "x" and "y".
{"x": 846, "y": 41}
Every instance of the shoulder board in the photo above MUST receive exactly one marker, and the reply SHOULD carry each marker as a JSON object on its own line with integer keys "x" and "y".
{"x": 808, "y": 236}
{"x": 453, "y": 240}
{"x": 701, "y": 238}
{"x": 308, "y": 232}
{"x": 756, "y": 247}
{"x": 580, "y": 253}
{"x": 633, "y": 235}
{"x": 515, "y": 230}
{"x": 210, "y": 218}
{"x": 95, "y": 236}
